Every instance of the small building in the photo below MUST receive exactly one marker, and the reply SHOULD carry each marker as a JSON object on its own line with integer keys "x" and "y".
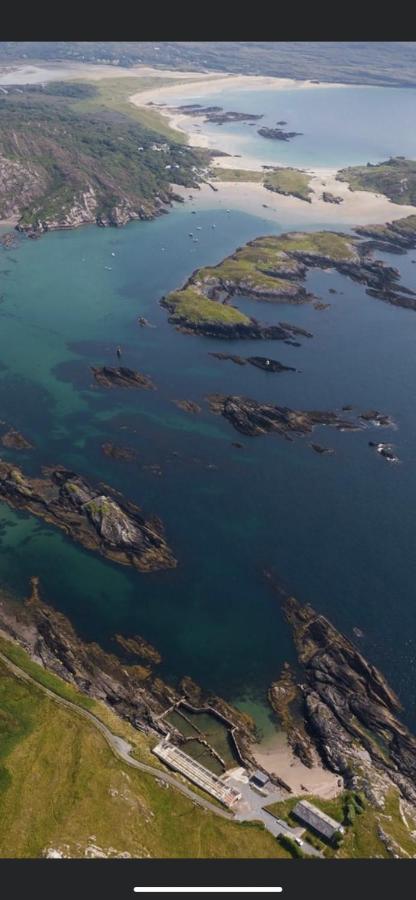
{"x": 259, "y": 779}
{"x": 319, "y": 821}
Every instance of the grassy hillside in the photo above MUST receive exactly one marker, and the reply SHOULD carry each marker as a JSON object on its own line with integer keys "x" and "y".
{"x": 62, "y": 789}
{"x": 395, "y": 178}
{"x": 68, "y": 155}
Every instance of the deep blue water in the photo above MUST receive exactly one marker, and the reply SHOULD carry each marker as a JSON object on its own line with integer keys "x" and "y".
{"x": 339, "y": 530}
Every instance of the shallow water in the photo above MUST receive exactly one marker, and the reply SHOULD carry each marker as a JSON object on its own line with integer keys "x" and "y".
{"x": 339, "y": 530}
{"x": 339, "y": 126}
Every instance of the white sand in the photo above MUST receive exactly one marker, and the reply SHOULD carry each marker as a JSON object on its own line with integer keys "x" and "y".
{"x": 276, "y": 757}
{"x": 358, "y": 207}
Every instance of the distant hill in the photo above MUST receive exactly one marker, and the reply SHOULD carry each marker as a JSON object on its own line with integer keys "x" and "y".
{"x": 352, "y": 62}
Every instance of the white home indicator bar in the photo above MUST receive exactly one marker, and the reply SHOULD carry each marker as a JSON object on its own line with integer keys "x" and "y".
{"x": 208, "y": 890}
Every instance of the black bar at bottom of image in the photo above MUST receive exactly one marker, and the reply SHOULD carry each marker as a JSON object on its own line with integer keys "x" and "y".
{"x": 116, "y": 879}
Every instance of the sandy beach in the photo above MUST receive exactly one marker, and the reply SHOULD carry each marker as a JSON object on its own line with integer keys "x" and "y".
{"x": 358, "y": 207}
{"x": 275, "y": 755}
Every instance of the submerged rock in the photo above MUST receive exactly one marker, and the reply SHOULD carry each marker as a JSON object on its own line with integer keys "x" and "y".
{"x": 187, "y": 406}
{"x": 109, "y": 376}
{"x": 14, "y": 440}
{"x": 126, "y": 454}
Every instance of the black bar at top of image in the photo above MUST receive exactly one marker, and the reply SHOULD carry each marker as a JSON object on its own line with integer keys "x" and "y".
{"x": 116, "y": 879}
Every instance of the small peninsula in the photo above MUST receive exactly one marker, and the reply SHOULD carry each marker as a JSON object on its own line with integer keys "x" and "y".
{"x": 395, "y": 178}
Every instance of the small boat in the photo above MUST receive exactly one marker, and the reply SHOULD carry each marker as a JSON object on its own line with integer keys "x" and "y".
{"x": 109, "y": 269}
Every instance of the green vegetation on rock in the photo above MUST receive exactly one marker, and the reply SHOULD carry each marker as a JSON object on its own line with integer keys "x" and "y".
{"x": 290, "y": 182}
{"x": 395, "y": 178}
{"x": 281, "y": 180}
{"x": 67, "y": 159}
{"x": 190, "y": 305}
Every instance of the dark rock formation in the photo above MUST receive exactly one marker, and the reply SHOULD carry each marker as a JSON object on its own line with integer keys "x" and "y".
{"x": 108, "y": 376}
{"x": 254, "y": 418}
{"x": 115, "y": 529}
{"x": 124, "y": 454}
{"x": 350, "y": 709}
{"x": 277, "y": 134}
{"x": 261, "y": 362}
{"x": 187, "y": 406}
{"x": 331, "y": 198}
{"x": 14, "y": 440}
{"x": 133, "y": 691}
{"x": 322, "y": 450}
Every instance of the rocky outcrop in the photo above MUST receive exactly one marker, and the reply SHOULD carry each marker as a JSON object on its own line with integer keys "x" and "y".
{"x": 116, "y": 529}
{"x": 135, "y": 691}
{"x": 327, "y": 197}
{"x": 350, "y": 710}
{"x": 278, "y": 134}
{"x": 109, "y": 377}
{"x": 261, "y": 362}
{"x": 187, "y": 406}
{"x": 253, "y": 418}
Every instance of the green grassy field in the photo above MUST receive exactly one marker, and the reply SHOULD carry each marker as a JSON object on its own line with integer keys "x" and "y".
{"x": 395, "y": 178}
{"x": 61, "y": 787}
{"x": 362, "y": 839}
{"x": 284, "y": 180}
{"x": 112, "y": 94}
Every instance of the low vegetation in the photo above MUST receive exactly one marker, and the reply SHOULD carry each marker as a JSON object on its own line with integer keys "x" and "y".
{"x": 361, "y": 821}
{"x": 281, "y": 180}
{"x": 62, "y": 790}
{"x": 290, "y": 182}
{"x": 395, "y": 178}
{"x": 67, "y": 158}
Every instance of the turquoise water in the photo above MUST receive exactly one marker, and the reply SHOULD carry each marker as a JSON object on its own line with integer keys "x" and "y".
{"x": 340, "y": 125}
{"x": 338, "y": 530}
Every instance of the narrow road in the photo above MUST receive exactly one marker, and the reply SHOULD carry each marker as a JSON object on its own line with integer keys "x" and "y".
{"x": 121, "y": 748}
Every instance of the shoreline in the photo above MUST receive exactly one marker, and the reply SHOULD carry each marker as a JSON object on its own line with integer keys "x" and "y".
{"x": 276, "y": 756}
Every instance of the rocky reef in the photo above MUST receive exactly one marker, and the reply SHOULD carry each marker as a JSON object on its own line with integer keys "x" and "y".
{"x": 114, "y": 451}
{"x": 187, "y": 406}
{"x": 216, "y": 114}
{"x": 110, "y": 377}
{"x": 114, "y": 528}
{"x": 261, "y": 362}
{"x": 14, "y": 440}
{"x": 277, "y": 134}
{"x": 253, "y": 418}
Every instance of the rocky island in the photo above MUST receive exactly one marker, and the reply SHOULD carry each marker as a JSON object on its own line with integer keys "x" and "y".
{"x": 114, "y": 528}
{"x": 253, "y": 418}
{"x": 278, "y": 134}
{"x": 14, "y": 440}
{"x": 261, "y": 362}
{"x": 274, "y": 267}
{"x": 216, "y": 114}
